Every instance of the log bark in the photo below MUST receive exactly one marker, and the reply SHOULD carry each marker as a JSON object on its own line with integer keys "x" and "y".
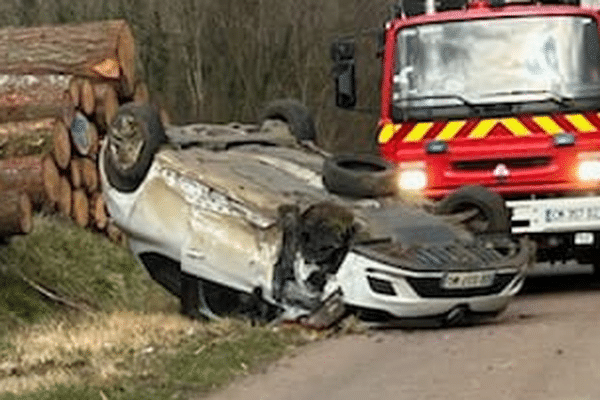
{"x": 24, "y": 174}
{"x": 84, "y": 136}
{"x": 107, "y": 103}
{"x": 81, "y": 208}
{"x": 90, "y": 174}
{"x": 103, "y": 49}
{"x": 31, "y": 97}
{"x": 51, "y": 179}
{"x": 76, "y": 173}
{"x": 15, "y": 213}
{"x": 23, "y": 138}
{"x": 61, "y": 145}
{"x": 65, "y": 196}
{"x": 98, "y": 211}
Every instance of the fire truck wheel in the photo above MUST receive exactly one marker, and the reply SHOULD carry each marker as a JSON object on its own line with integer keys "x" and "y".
{"x": 293, "y": 113}
{"x": 133, "y": 137}
{"x": 358, "y": 175}
{"x": 484, "y": 210}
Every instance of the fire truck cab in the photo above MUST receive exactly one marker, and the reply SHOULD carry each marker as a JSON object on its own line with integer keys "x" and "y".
{"x": 497, "y": 95}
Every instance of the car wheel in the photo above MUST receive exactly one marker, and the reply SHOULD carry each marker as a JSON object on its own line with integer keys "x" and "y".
{"x": 484, "y": 211}
{"x": 363, "y": 175}
{"x": 133, "y": 137}
{"x": 294, "y": 114}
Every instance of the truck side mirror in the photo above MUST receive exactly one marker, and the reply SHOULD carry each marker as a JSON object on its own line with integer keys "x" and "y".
{"x": 344, "y": 72}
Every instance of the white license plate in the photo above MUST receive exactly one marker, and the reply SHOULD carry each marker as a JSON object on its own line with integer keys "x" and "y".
{"x": 468, "y": 280}
{"x": 584, "y": 238}
{"x": 572, "y": 214}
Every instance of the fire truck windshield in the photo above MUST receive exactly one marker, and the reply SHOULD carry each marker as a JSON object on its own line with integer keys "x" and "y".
{"x": 472, "y": 63}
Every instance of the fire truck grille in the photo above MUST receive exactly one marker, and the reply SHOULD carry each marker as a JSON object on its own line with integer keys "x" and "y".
{"x": 511, "y": 163}
{"x": 432, "y": 287}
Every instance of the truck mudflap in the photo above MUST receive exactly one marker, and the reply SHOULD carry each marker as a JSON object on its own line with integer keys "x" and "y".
{"x": 565, "y": 214}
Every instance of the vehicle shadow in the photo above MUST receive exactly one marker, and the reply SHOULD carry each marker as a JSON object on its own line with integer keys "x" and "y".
{"x": 560, "y": 283}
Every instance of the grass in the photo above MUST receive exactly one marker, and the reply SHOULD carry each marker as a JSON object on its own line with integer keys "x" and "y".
{"x": 130, "y": 343}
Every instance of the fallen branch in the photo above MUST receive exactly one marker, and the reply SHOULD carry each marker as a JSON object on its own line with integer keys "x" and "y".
{"x": 54, "y": 297}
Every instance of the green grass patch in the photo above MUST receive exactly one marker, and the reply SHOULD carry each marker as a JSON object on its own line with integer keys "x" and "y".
{"x": 80, "y": 266}
{"x": 208, "y": 359}
{"x": 130, "y": 344}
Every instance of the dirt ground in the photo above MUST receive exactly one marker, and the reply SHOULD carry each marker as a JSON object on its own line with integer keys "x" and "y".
{"x": 545, "y": 346}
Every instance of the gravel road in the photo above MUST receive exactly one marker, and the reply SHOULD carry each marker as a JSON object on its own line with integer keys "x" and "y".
{"x": 545, "y": 346}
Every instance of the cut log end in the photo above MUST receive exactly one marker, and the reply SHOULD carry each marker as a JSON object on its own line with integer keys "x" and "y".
{"x": 65, "y": 196}
{"x": 76, "y": 173}
{"x": 15, "y": 213}
{"x": 80, "y": 208}
{"x": 51, "y": 179}
{"x": 61, "y": 145}
{"x": 75, "y": 91}
{"x": 87, "y": 99}
{"x": 98, "y": 212}
{"x": 107, "y": 103}
{"x": 90, "y": 175}
{"x": 25, "y": 213}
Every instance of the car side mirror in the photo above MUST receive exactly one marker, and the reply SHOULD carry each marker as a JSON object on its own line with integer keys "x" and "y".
{"x": 344, "y": 72}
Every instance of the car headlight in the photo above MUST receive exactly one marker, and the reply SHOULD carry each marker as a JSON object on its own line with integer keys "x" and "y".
{"x": 412, "y": 176}
{"x": 589, "y": 169}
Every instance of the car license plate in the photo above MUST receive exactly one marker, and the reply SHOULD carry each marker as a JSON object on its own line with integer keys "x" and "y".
{"x": 584, "y": 238}
{"x": 574, "y": 214}
{"x": 468, "y": 280}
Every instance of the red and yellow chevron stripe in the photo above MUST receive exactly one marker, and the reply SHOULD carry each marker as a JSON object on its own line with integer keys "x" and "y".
{"x": 411, "y": 132}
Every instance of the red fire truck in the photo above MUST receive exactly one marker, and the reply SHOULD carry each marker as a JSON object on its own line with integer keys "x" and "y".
{"x": 491, "y": 103}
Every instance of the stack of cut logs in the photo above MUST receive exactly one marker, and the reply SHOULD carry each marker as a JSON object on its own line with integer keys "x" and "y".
{"x": 60, "y": 86}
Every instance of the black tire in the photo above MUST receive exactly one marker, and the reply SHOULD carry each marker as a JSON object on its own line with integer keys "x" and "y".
{"x": 492, "y": 215}
{"x": 293, "y": 113}
{"x": 359, "y": 175}
{"x": 134, "y": 125}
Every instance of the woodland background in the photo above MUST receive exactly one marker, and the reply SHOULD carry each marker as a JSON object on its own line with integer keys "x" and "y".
{"x": 223, "y": 60}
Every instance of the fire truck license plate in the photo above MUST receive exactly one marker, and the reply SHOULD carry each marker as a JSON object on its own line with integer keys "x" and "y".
{"x": 468, "y": 280}
{"x": 574, "y": 214}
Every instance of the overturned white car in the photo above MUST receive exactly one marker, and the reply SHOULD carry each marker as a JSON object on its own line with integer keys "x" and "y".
{"x": 238, "y": 219}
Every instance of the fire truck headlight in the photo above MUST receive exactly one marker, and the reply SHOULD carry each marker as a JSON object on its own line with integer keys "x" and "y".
{"x": 412, "y": 179}
{"x": 589, "y": 170}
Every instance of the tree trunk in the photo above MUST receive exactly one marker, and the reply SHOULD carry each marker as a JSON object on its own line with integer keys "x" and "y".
{"x": 51, "y": 179}
{"x": 81, "y": 208}
{"x": 15, "y": 213}
{"x": 103, "y": 49}
{"x": 84, "y": 135}
{"x": 24, "y": 174}
{"x": 23, "y": 138}
{"x": 65, "y": 196}
{"x": 31, "y": 97}
{"x": 90, "y": 174}
{"x": 107, "y": 103}
{"x": 98, "y": 211}
{"x": 61, "y": 145}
